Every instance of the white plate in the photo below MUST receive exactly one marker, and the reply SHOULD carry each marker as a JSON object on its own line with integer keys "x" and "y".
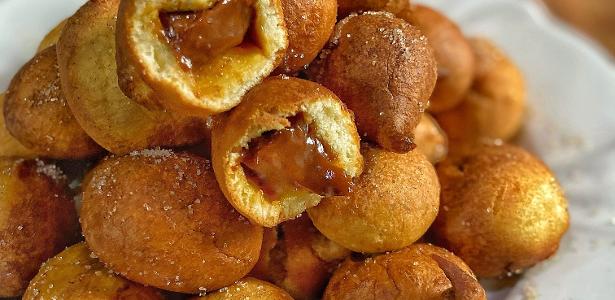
{"x": 571, "y": 123}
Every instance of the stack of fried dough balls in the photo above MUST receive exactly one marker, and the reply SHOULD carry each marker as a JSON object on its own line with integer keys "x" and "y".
{"x": 267, "y": 149}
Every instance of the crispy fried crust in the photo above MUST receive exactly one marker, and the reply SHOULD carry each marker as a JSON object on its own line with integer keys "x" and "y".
{"x": 9, "y": 146}
{"x": 76, "y": 274}
{"x": 502, "y": 210}
{"x": 384, "y": 70}
{"x": 296, "y": 257}
{"x": 494, "y": 107}
{"x": 348, "y": 6}
{"x": 411, "y": 273}
{"x": 212, "y": 88}
{"x": 310, "y": 24}
{"x": 392, "y": 205}
{"x": 430, "y": 139}
{"x": 453, "y": 53}
{"x": 265, "y": 108}
{"x": 248, "y": 288}
{"x": 172, "y": 228}
{"x": 86, "y": 56}
{"x": 36, "y": 113}
{"x": 37, "y": 220}
{"x": 52, "y": 37}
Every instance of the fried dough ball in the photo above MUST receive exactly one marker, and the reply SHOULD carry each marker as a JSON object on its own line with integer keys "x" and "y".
{"x": 296, "y": 257}
{"x": 391, "y": 206}
{"x": 9, "y": 146}
{"x": 52, "y": 37}
{"x": 310, "y": 24}
{"x": 430, "y": 139}
{"x": 348, "y": 6}
{"x": 86, "y": 56}
{"x": 36, "y": 113}
{"x": 502, "y": 210}
{"x": 248, "y": 288}
{"x": 160, "y": 219}
{"x": 494, "y": 107}
{"x": 37, "y": 220}
{"x": 77, "y": 274}
{"x": 384, "y": 70}
{"x": 453, "y": 54}
{"x": 421, "y": 271}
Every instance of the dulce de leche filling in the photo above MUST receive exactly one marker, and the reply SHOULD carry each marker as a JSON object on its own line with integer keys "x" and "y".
{"x": 198, "y": 36}
{"x": 293, "y": 158}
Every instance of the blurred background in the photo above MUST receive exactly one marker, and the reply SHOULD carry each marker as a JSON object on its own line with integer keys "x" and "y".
{"x": 596, "y": 18}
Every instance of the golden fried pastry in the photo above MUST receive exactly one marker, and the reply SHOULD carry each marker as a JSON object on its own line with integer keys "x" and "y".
{"x": 37, "y": 220}
{"x": 159, "y": 218}
{"x": 494, "y": 107}
{"x": 36, "y": 113}
{"x": 52, "y": 37}
{"x": 348, "y": 6}
{"x": 197, "y": 57}
{"x": 86, "y": 56}
{"x": 310, "y": 24}
{"x": 296, "y": 257}
{"x": 248, "y": 288}
{"x": 391, "y": 206}
{"x": 384, "y": 70}
{"x": 287, "y": 145}
{"x": 430, "y": 139}
{"x": 9, "y": 146}
{"x": 453, "y": 54}
{"x": 421, "y": 271}
{"x": 77, "y": 274}
{"x": 502, "y": 210}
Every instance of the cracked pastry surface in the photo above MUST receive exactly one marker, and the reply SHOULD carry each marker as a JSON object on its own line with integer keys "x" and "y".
{"x": 159, "y": 218}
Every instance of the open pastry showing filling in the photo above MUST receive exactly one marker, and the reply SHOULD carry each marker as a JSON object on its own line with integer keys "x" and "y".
{"x": 200, "y": 57}
{"x": 289, "y": 144}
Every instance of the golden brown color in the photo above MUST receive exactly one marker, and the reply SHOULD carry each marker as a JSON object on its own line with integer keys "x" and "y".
{"x": 36, "y": 113}
{"x": 37, "y": 220}
{"x": 296, "y": 257}
{"x": 430, "y": 139}
{"x": 86, "y": 56}
{"x": 384, "y": 70}
{"x": 392, "y": 205}
{"x": 502, "y": 210}
{"x": 52, "y": 37}
{"x": 348, "y": 6}
{"x": 77, "y": 274}
{"x": 9, "y": 146}
{"x": 159, "y": 218}
{"x": 310, "y": 24}
{"x": 494, "y": 107}
{"x": 248, "y": 288}
{"x": 265, "y": 109}
{"x": 411, "y": 273}
{"x": 151, "y": 73}
{"x": 453, "y": 54}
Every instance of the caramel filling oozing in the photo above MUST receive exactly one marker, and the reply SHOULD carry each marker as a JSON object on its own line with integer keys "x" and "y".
{"x": 198, "y": 36}
{"x": 287, "y": 160}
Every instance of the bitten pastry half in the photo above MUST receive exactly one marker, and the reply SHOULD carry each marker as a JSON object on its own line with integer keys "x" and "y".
{"x": 86, "y": 56}
{"x": 502, "y": 210}
{"x": 9, "y": 146}
{"x": 248, "y": 288}
{"x": 76, "y": 273}
{"x": 453, "y": 53}
{"x": 197, "y": 57}
{"x": 159, "y": 218}
{"x": 37, "y": 115}
{"x": 392, "y": 205}
{"x": 37, "y": 220}
{"x": 290, "y": 143}
{"x": 384, "y": 70}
